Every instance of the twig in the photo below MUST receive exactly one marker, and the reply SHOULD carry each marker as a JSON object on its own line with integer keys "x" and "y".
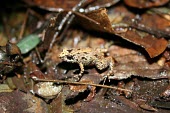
{"x": 23, "y": 25}
{"x": 29, "y": 11}
{"x": 80, "y": 83}
{"x": 66, "y": 21}
{"x": 11, "y": 64}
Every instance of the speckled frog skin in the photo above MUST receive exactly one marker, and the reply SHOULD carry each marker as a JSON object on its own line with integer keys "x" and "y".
{"x": 88, "y": 56}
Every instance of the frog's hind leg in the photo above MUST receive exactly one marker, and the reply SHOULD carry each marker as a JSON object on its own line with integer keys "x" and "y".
{"x": 111, "y": 62}
{"x": 104, "y": 63}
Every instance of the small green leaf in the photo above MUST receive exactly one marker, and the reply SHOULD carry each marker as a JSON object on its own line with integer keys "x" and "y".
{"x": 28, "y": 43}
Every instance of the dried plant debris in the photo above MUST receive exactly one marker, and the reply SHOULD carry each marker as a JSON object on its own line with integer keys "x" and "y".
{"x": 21, "y": 102}
{"x": 145, "y": 3}
{"x": 10, "y": 58}
{"x": 85, "y": 56}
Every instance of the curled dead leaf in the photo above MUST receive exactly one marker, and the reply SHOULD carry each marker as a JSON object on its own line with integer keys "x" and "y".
{"x": 145, "y": 3}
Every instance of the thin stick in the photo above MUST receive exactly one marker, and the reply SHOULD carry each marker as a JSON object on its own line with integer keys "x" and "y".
{"x": 66, "y": 20}
{"x": 80, "y": 83}
{"x": 11, "y": 64}
{"x": 23, "y": 25}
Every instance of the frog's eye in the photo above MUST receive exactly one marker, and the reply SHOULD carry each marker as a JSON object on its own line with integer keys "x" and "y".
{"x": 69, "y": 57}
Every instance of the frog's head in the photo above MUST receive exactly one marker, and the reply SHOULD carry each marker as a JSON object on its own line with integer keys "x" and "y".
{"x": 66, "y": 55}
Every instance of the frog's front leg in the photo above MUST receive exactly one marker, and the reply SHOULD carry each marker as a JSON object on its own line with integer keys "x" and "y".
{"x": 77, "y": 76}
{"x": 81, "y": 68}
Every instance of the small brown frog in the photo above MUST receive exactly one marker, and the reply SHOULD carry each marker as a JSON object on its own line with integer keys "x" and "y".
{"x": 88, "y": 56}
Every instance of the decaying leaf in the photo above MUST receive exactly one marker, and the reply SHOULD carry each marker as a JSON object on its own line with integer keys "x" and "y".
{"x": 28, "y": 43}
{"x": 153, "y": 46}
{"x": 21, "y": 102}
{"x": 145, "y": 3}
{"x": 53, "y": 4}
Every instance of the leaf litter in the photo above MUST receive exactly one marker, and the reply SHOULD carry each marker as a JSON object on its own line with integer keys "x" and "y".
{"x": 136, "y": 36}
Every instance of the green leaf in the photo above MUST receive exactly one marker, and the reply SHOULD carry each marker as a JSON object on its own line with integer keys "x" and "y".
{"x": 28, "y": 43}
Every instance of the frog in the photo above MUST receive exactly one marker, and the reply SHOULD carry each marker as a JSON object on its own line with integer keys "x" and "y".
{"x": 88, "y": 56}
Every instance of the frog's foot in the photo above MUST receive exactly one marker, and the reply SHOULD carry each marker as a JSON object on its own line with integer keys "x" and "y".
{"x": 104, "y": 79}
{"x": 107, "y": 76}
{"x": 77, "y": 77}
